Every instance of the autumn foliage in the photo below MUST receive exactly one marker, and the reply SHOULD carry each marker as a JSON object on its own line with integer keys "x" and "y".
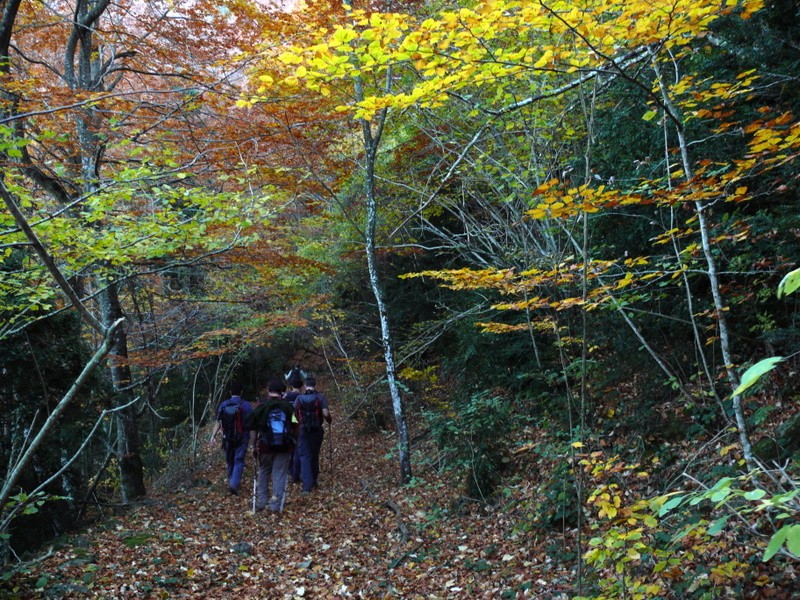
{"x": 572, "y": 223}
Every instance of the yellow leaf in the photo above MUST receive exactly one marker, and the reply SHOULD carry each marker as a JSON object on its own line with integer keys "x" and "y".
{"x": 289, "y": 58}
{"x": 544, "y": 60}
{"x": 649, "y": 115}
{"x": 724, "y": 451}
{"x": 625, "y": 281}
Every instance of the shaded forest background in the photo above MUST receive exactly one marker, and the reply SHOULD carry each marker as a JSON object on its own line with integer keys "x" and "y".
{"x": 552, "y": 238}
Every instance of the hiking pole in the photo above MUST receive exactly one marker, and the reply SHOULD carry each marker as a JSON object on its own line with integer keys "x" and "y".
{"x": 330, "y": 447}
{"x": 255, "y": 476}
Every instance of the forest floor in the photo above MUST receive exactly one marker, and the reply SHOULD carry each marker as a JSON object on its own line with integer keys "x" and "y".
{"x": 360, "y": 535}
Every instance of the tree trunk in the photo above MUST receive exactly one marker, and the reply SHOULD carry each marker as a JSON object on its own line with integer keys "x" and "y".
{"x": 81, "y": 51}
{"x": 371, "y": 143}
{"x": 403, "y": 442}
{"x": 716, "y": 289}
{"x": 131, "y": 469}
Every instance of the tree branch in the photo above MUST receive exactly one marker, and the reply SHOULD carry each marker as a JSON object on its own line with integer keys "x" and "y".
{"x": 98, "y": 356}
{"x": 48, "y": 261}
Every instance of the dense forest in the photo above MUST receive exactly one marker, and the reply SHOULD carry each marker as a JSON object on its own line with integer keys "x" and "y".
{"x": 542, "y": 255}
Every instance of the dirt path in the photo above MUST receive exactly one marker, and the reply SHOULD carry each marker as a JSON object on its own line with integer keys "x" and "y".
{"x": 360, "y": 535}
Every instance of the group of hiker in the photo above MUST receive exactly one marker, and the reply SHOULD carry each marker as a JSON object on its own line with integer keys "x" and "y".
{"x": 285, "y": 431}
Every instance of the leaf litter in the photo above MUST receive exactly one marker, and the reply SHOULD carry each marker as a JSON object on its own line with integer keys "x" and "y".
{"x": 360, "y": 535}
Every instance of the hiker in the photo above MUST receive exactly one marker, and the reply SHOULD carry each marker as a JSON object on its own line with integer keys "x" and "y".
{"x": 310, "y": 407}
{"x": 232, "y": 416}
{"x": 295, "y": 377}
{"x": 296, "y": 384}
{"x": 273, "y": 439}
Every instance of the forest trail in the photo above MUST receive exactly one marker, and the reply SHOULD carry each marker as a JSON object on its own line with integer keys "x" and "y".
{"x": 360, "y": 535}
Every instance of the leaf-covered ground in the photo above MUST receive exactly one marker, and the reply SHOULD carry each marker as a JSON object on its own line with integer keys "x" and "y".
{"x": 359, "y": 536}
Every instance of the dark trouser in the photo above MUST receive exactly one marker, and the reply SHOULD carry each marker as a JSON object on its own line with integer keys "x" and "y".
{"x": 272, "y": 466}
{"x": 308, "y": 449}
{"x": 294, "y": 465}
{"x": 234, "y": 456}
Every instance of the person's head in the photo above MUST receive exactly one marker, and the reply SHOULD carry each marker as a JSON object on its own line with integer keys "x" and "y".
{"x": 295, "y": 377}
{"x": 275, "y": 386}
{"x": 311, "y": 382}
{"x": 236, "y": 388}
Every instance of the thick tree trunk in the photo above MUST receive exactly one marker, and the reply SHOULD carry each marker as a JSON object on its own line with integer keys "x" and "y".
{"x": 81, "y": 51}
{"x": 131, "y": 469}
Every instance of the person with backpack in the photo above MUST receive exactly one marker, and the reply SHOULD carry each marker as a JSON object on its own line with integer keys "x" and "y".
{"x": 311, "y": 409}
{"x": 273, "y": 439}
{"x": 294, "y": 462}
{"x": 232, "y": 416}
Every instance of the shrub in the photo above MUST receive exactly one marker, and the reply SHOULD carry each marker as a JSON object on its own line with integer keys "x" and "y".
{"x": 472, "y": 438}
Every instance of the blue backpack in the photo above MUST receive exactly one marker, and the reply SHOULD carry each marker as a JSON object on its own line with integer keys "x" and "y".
{"x": 274, "y": 436}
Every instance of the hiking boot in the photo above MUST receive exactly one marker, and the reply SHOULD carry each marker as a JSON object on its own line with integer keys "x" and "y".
{"x": 233, "y": 491}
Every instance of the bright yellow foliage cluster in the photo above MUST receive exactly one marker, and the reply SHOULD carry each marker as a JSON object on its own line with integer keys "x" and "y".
{"x": 495, "y": 40}
{"x": 557, "y": 203}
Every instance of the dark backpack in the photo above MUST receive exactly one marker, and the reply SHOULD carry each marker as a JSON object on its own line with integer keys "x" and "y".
{"x": 232, "y": 427}
{"x": 274, "y": 436}
{"x": 310, "y": 413}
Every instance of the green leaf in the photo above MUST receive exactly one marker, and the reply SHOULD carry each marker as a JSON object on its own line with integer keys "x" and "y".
{"x": 649, "y": 115}
{"x": 775, "y": 543}
{"x": 755, "y": 494}
{"x": 723, "y": 483}
{"x": 793, "y": 539}
{"x": 682, "y": 534}
{"x": 789, "y": 283}
{"x": 718, "y": 525}
{"x": 670, "y": 504}
{"x": 754, "y": 373}
{"x": 721, "y": 495}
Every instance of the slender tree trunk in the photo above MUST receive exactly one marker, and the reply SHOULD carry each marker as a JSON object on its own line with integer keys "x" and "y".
{"x": 699, "y": 349}
{"x": 711, "y": 269}
{"x": 371, "y": 143}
